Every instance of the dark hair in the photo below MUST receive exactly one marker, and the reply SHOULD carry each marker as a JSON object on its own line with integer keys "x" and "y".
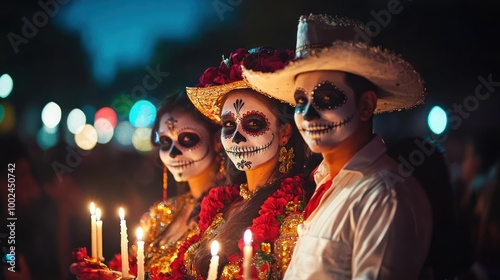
{"x": 241, "y": 215}
{"x": 359, "y": 84}
{"x": 179, "y": 101}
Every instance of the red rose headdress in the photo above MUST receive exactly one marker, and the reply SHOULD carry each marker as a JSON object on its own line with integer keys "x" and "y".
{"x": 218, "y": 81}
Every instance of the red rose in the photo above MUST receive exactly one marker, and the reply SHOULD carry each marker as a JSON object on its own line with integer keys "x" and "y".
{"x": 116, "y": 263}
{"x": 235, "y": 73}
{"x": 272, "y": 63}
{"x": 274, "y": 205}
{"x": 265, "y": 228}
{"x": 132, "y": 265}
{"x": 154, "y": 274}
{"x": 208, "y": 76}
{"x": 238, "y": 56}
{"x": 80, "y": 254}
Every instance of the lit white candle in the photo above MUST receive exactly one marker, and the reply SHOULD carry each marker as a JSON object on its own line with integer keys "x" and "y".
{"x": 124, "y": 243}
{"x": 93, "y": 231}
{"x": 247, "y": 255}
{"x": 140, "y": 254}
{"x": 214, "y": 262}
{"x": 99, "y": 234}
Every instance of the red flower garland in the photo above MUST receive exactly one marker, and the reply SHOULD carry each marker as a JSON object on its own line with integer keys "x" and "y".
{"x": 257, "y": 59}
{"x": 265, "y": 228}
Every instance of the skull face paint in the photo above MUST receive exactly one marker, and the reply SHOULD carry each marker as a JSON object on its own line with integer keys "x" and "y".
{"x": 185, "y": 145}
{"x": 326, "y": 111}
{"x": 249, "y": 131}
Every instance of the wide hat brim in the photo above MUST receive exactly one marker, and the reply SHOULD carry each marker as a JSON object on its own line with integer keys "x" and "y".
{"x": 207, "y": 99}
{"x": 399, "y": 85}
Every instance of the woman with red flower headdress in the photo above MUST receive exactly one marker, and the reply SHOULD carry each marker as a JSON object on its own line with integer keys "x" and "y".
{"x": 267, "y": 156}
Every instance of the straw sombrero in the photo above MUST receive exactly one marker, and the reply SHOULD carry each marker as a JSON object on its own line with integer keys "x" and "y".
{"x": 218, "y": 81}
{"x": 328, "y": 43}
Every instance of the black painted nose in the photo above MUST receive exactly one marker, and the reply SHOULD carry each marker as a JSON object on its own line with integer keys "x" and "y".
{"x": 311, "y": 113}
{"x": 237, "y": 138}
{"x": 174, "y": 152}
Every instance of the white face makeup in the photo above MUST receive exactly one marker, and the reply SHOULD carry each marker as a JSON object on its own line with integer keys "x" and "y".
{"x": 249, "y": 131}
{"x": 185, "y": 145}
{"x": 326, "y": 112}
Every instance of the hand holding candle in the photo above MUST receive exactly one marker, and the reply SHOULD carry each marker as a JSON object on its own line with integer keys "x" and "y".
{"x": 93, "y": 231}
{"x": 214, "y": 262}
{"x": 123, "y": 243}
{"x": 247, "y": 255}
{"x": 99, "y": 234}
{"x": 140, "y": 254}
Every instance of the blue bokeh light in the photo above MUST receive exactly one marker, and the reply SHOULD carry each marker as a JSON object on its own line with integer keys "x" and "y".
{"x": 437, "y": 120}
{"x": 142, "y": 114}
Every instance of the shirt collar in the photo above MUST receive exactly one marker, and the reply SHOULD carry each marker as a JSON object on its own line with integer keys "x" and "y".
{"x": 363, "y": 158}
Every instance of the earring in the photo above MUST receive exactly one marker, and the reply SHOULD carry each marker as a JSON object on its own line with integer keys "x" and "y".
{"x": 286, "y": 159}
{"x": 221, "y": 174}
{"x": 165, "y": 179}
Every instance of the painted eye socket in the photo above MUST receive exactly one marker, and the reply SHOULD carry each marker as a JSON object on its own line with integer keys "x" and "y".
{"x": 228, "y": 127}
{"x": 301, "y": 100}
{"x": 188, "y": 139}
{"x": 255, "y": 123}
{"x": 327, "y": 96}
{"x": 165, "y": 143}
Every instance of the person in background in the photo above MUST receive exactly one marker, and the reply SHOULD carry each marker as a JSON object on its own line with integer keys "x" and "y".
{"x": 446, "y": 257}
{"x": 480, "y": 153}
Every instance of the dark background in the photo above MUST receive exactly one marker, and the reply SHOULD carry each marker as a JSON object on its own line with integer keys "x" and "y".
{"x": 451, "y": 44}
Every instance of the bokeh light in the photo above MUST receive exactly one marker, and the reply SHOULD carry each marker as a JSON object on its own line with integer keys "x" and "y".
{"x": 51, "y": 115}
{"x": 123, "y": 133}
{"x": 76, "y": 120}
{"x": 108, "y": 114}
{"x": 6, "y": 85}
{"x": 122, "y": 105}
{"x": 7, "y": 117}
{"x": 104, "y": 130}
{"x": 46, "y": 137}
{"x": 140, "y": 139}
{"x": 86, "y": 139}
{"x": 142, "y": 114}
{"x": 437, "y": 120}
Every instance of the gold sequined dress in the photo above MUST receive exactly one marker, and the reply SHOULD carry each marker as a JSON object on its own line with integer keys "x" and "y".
{"x": 158, "y": 222}
{"x": 274, "y": 232}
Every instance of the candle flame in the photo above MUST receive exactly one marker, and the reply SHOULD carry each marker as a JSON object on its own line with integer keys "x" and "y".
{"x": 98, "y": 214}
{"x": 121, "y": 212}
{"x": 92, "y": 208}
{"x": 247, "y": 237}
{"x": 215, "y": 248}
{"x": 139, "y": 232}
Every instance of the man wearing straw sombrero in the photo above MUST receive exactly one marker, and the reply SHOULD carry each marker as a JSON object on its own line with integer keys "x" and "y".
{"x": 365, "y": 220}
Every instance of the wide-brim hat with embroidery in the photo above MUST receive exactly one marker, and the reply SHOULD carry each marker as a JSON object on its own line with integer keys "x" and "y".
{"x": 216, "y": 82}
{"x": 340, "y": 44}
